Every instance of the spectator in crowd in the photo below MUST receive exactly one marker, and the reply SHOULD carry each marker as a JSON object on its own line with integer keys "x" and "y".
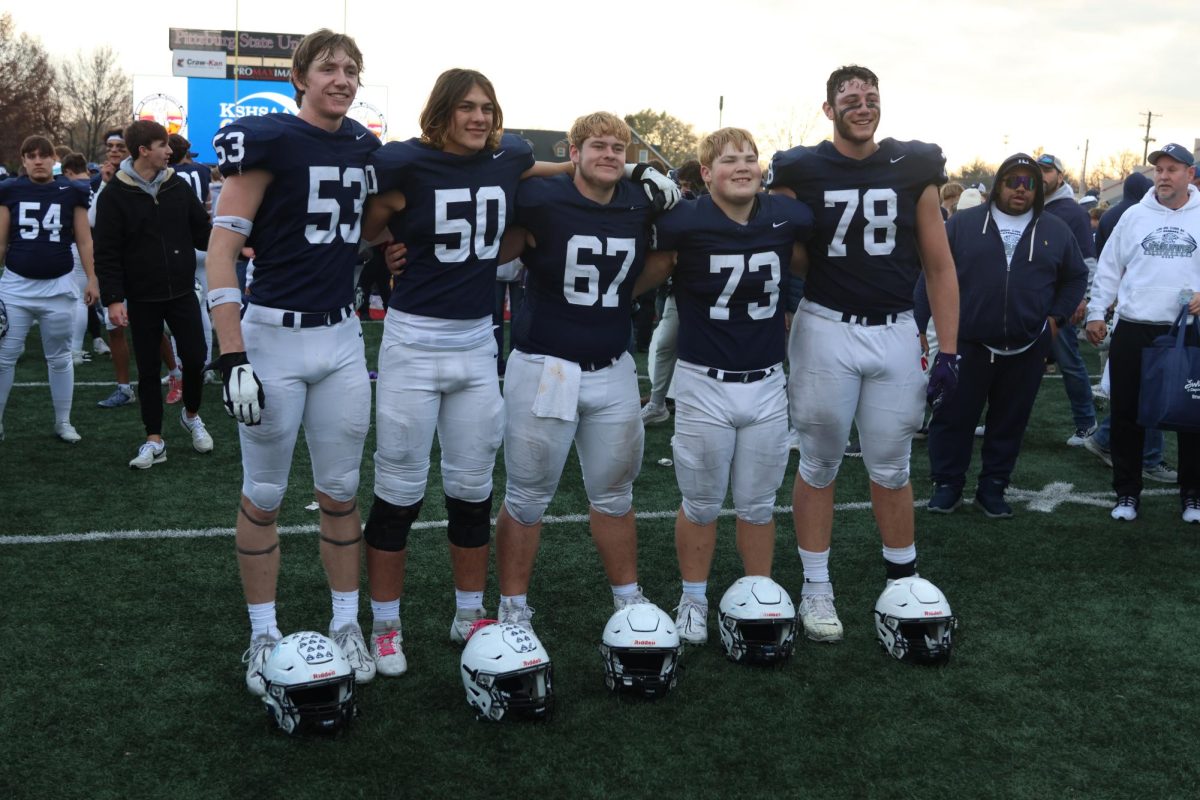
{"x": 1060, "y": 201}
{"x": 115, "y": 152}
{"x": 950, "y": 194}
{"x": 1150, "y": 267}
{"x": 74, "y": 169}
{"x": 1020, "y": 276}
{"x": 149, "y": 223}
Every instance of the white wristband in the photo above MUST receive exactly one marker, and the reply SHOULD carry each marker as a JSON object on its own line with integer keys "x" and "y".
{"x": 227, "y": 294}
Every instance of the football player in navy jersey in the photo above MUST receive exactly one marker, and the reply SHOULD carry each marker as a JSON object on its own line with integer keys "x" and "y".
{"x": 294, "y": 191}
{"x": 569, "y": 377}
{"x": 41, "y": 216}
{"x": 731, "y": 251}
{"x": 854, "y": 351}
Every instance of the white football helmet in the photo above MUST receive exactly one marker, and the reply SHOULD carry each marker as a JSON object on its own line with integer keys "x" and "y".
{"x": 914, "y": 622}
{"x": 757, "y": 621}
{"x": 507, "y": 671}
{"x": 641, "y": 650}
{"x": 310, "y": 685}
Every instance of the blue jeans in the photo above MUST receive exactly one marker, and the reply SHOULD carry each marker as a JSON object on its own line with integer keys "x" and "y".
{"x": 1152, "y": 453}
{"x": 1075, "y": 377}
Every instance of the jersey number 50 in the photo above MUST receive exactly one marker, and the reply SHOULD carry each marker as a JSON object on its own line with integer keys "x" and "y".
{"x": 870, "y": 201}
{"x": 468, "y": 236}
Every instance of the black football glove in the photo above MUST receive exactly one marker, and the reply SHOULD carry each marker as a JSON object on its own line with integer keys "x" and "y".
{"x": 243, "y": 391}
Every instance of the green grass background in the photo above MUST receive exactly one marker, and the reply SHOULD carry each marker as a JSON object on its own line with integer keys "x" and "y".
{"x": 1075, "y": 674}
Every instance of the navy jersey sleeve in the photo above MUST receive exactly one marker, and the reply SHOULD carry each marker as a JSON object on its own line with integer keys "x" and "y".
{"x": 390, "y": 164}
{"x": 83, "y": 193}
{"x": 926, "y": 163}
{"x": 519, "y": 148}
{"x": 800, "y": 215}
{"x": 246, "y": 144}
{"x": 669, "y": 227}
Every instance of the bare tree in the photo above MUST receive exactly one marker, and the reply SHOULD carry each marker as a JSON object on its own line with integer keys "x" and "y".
{"x": 97, "y": 95}
{"x": 1114, "y": 168}
{"x": 28, "y": 103}
{"x": 785, "y": 133}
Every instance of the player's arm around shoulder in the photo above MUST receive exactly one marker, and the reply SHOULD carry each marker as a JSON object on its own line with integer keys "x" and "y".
{"x": 240, "y": 199}
{"x": 379, "y": 211}
{"x": 5, "y": 228}
{"x": 941, "y": 280}
{"x": 659, "y": 266}
{"x": 548, "y": 169}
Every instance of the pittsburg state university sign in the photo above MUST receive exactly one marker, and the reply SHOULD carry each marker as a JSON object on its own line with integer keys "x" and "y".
{"x": 244, "y": 43}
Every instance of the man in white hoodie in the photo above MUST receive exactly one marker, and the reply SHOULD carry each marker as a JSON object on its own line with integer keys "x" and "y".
{"x": 1150, "y": 267}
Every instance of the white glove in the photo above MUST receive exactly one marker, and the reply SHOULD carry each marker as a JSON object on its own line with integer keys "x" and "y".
{"x": 243, "y": 391}
{"x": 661, "y": 190}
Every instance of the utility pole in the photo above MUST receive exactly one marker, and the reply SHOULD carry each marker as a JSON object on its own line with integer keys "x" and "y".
{"x": 1083, "y": 175}
{"x": 1147, "y": 139}
{"x": 721, "y": 111}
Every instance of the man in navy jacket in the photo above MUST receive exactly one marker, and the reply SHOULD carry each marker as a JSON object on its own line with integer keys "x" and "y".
{"x": 1021, "y": 276}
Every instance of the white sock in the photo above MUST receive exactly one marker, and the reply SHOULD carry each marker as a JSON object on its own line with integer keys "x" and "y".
{"x": 816, "y": 566}
{"x": 345, "y": 609}
{"x": 386, "y": 611}
{"x": 124, "y": 387}
{"x": 262, "y": 620}
{"x": 696, "y": 590}
{"x": 175, "y": 373}
{"x": 467, "y": 600}
{"x": 518, "y": 600}
{"x": 900, "y": 555}
{"x": 625, "y": 590}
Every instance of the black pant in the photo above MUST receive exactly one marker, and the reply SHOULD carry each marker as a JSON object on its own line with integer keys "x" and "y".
{"x": 1009, "y": 386}
{"x": 146, "y": 319}
{"x": 1128, "y": 438}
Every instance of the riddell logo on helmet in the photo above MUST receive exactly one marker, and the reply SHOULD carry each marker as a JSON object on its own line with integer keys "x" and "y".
{"x": 933, "y": 613}
{"x": 326, "y": 674}
{"x": 531, "y": 662}
{"x": 645, "y": 642}
{"x": 772, "y": 614}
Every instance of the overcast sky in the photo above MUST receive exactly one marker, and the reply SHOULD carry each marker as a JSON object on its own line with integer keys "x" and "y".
{"x": 981, "y": 78}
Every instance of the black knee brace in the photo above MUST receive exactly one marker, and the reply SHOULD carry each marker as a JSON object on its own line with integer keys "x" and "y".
{"x": 388, "y": 525}
{"x": 470, "y": 524}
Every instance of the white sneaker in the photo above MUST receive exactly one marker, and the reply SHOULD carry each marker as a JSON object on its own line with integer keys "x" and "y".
{"x": 637, "y": 598}
{"x": 464, "y": 620}
{"x": 66, "y": 431}
{"x": 101, "y": 348}
{"x": 349, "y": 637}
{"x": 79, "y": 358}
{"x": 255, "y": 658}
{"x": 385, "y": 647}
{"x": 1092, "y": 446}
{"x": 819, "y": 617}
{"x": 1191, "y": 509}
{"x": 149, "y": 454}
{"x": 1126, "y": 509}
{"x": 514, "y": 614}
{"x": 1081, "y": 435}
{"x": 653, "y": 414}
{"x": 1161, "y": 473}
{"x": 201, "y": 441}
{"x": 691, "y": 620}
{"x": 980, "y": 430}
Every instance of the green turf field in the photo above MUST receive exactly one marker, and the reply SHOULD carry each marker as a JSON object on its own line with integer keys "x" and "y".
{"x": 1075, "y": 674}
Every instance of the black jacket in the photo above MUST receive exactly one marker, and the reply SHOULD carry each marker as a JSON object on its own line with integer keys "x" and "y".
{"x": 1005, "y": 306}
{"x": 146, "y": 246}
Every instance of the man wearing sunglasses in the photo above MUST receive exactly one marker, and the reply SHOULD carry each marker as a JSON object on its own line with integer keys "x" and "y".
{"x": 1020, "y": 277}
{"x": 1060, "y": 201}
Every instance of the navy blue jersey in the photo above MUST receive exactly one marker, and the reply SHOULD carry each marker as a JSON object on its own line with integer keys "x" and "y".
{"x": 197, "y": 176}
{"x": 729, "y": 279}
{"x": 579, "y": 278}
{"x": 863, "y": 255}
{"x": 41, "y": 225}
{"x": 306, "y": 231}
{"x": 456, "y": 210}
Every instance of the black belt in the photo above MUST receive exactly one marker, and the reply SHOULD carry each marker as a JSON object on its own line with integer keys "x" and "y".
{"x": 739, "y": 377}
{"x": 592, "y": 366}
{"x": 855, "y": 319}
{"x": 316, "y": 319}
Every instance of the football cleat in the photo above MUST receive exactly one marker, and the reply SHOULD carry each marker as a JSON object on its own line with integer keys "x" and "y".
{"x": 691, "y": 620}
{"x": 119, "y": 397}
{"x": 66, "y": 431}
{"x": 386, "y": 649}
{"x": 635, "y": 599}
{"x": 819, "y": 618}
{"x": 1126, "y": 509}
{"x": 513, "y": 614}
{"x": 255, "y": 658}
{"x": 464, "y": 622}
{"x": 349, "y": 638}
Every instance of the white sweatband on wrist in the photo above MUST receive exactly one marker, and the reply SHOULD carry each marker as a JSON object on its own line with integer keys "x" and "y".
{"x": 236, "y": 224}
{"x": 226, "y": 294}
